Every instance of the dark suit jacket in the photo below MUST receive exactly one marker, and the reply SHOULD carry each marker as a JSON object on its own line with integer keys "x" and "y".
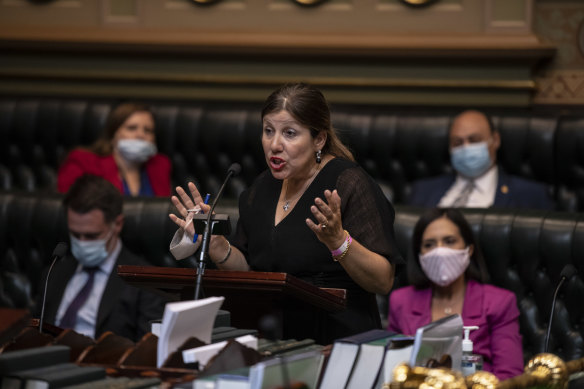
{"x": 124, "y": 309}
{"x": 512, "y": 192}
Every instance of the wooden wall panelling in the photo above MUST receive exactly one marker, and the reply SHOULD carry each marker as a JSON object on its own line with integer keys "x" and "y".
{"x": 371, "y": 51}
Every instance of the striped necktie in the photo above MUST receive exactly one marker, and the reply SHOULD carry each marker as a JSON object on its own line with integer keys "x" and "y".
{"x": 464, "y": 195}
{"x": 70, "y": 317}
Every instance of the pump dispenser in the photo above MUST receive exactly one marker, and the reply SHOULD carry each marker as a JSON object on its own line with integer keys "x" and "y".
{"x": 470, "y": 362}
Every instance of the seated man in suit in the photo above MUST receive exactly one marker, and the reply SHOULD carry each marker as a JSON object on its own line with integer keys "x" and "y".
{"x": 478, "y": 182}
{"x": 85, "y": 293}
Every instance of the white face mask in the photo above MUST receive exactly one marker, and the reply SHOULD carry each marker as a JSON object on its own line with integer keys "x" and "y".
{"x": 136, "y": 150}
{"x": 90, "y": 253}
{"x": 444, "y": 265}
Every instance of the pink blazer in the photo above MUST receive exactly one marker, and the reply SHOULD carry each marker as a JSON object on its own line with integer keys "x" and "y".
{"x": 80, "y": 162}
{"x": 493, "y": 310}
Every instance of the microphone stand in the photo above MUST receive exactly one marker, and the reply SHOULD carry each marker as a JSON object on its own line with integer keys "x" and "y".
{"x": 204, "y": 248}
{"x": 547, "y": 336}
{"x": 233, "y": 170}
{"x": 59, "y": 251}
{"x": 567, "y": 272}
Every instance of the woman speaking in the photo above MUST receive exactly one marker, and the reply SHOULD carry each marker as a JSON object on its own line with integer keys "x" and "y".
{"x": 314, "y": 213}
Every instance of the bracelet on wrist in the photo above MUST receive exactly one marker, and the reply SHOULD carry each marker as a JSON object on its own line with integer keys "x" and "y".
{"x": 339, "y": 253}
{"x": 226, "y": 255}
{"x": 341, "y": 249}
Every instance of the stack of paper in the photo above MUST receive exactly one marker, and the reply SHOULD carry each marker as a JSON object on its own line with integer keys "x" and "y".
{"x": 183, "y": 320}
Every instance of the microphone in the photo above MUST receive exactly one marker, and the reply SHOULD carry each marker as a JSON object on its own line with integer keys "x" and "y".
{"x": 233, "y": 170}
{"x": 58, "y": 253}
{"x": 567, "y": 272}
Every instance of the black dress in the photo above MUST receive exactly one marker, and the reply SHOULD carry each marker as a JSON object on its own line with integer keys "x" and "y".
{"x": 293, "y": 248}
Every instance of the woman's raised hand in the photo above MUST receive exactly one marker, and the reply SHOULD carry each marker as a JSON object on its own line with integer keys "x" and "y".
{"x": 185, "y": 203}
{"x": 329, "y": 229}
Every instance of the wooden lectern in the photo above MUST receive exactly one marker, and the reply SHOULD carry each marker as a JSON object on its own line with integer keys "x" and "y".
{"x": 248, "y": 295}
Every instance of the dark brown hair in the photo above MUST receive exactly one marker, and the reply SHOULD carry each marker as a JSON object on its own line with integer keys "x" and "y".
{"x": 308, "y": 107}
{"x": 477, "y": 269}
{"x": 91, "y": 192}
{"x": 117, "y": 117}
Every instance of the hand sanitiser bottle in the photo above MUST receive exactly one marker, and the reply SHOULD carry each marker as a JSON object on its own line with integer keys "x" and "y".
{"x": 470, "y": 362}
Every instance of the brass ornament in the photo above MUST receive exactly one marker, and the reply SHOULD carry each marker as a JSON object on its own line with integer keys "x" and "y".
{"x": 205, "y": 2}
{"x": 418, "y": 3}
{"x": 549, "y": 367}
{"x": 308, "y": 3}
{"x": 482, "y": 380}
{"x": 406, "y": 377}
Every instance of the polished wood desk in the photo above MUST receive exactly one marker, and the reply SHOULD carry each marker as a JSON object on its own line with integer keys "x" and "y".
{"x": 248, "y": 295}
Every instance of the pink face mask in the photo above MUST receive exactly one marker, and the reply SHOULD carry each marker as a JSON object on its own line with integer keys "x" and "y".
{"x": 444, "y": 265}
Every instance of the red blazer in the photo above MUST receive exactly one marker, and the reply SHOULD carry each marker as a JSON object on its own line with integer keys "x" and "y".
{"x": 493, "y": 310}
{"x": 80, "y": 162}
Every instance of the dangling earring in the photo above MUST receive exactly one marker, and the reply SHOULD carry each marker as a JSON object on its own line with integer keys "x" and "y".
{"x": 318, "y": 156}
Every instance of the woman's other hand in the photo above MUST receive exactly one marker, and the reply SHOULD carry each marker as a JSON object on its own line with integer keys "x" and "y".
{"x": 329, "y": 229}
{"x": 367, "y": 268}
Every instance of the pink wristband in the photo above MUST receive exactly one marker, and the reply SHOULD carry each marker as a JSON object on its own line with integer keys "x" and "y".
{"x": 344, "y": 246}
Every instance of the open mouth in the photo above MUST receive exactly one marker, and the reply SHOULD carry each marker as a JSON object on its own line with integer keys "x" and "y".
{"x": 276, "y": 163}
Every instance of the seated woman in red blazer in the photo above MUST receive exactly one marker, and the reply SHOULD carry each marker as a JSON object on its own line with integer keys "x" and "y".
{"x": 448, "y": 276}
{"x": 125, "y": 155}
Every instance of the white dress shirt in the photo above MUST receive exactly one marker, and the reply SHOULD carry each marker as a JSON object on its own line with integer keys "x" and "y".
{"x": 87, "y": 316}
{"x": 483, "y": 194}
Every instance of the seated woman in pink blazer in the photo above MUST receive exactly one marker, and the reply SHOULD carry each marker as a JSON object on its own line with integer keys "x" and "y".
{"x": 448, "y": 276}
{"x": 125, "y": 155}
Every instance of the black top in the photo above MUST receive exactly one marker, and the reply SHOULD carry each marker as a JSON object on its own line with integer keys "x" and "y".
{"x": 293, "y": 248}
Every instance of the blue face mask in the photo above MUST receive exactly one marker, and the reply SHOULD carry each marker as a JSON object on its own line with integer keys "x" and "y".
{"x": 471, "y": 160}
{"x": 89, "y": 253}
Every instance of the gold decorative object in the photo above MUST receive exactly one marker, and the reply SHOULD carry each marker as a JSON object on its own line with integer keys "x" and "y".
{"x": 205, "y": 2}
{"x": 550, "y": 367}
{"x": 418, "y": 3}
{"x": 406, "y": 377}
{"x": 309, "y": 3}
{"x": 482, "y": 380}
{"x": 575, "y": 366}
